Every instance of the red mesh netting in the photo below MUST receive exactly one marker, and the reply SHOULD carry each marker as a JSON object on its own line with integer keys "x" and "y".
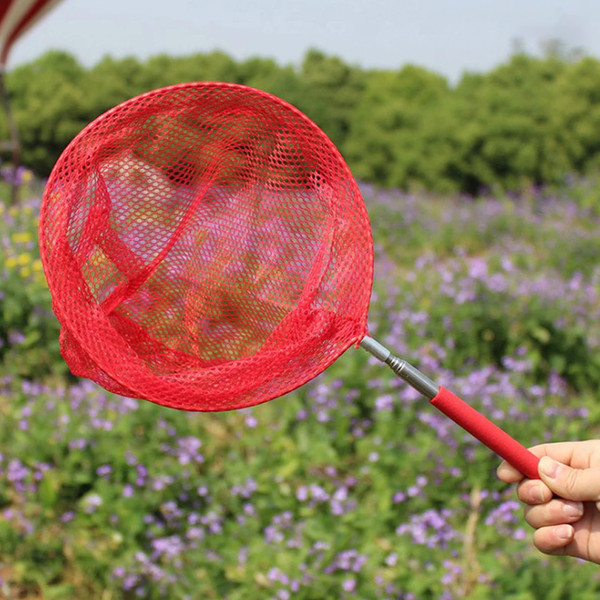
{"x": 206, "y": 248}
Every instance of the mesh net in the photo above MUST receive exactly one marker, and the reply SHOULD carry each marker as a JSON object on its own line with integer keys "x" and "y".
{"x": 206, "y": 248}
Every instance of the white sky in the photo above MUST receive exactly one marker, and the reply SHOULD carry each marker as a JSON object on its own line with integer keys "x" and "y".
{"x": 447, "y": 36}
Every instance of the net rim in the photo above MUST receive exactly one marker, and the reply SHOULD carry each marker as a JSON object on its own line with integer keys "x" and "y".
{"x": 329, "y": 146}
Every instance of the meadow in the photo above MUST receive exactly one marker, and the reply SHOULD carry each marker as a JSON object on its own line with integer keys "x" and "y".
{"x": 350, "y": 487}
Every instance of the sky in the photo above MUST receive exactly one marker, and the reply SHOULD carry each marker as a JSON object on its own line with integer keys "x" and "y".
{"x": 446, "y": 36}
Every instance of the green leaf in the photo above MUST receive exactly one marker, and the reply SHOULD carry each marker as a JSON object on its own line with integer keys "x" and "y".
{"x": 48, "y": 489}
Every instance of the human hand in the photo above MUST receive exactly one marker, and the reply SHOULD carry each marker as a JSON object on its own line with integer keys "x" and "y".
{"x": 570, "y": 523}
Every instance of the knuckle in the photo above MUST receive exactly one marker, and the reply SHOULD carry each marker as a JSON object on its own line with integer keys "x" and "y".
{"x": 570, "y": 481}
{"x": 533, "y": 492}
{"x": 530, "y": 518}
{"x": 546, "y": 543}
{"x": 580, "y": 484}
{"x": 541, "y": 542}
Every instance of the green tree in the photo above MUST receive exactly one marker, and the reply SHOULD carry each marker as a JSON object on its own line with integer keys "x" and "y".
{"x": 577, "y": 114}
{"x": 332, "y": 90}
{"x": 508, "y": 131}
{"x": 112, "y": 81}
{"x": 401, "y": 131}
{"x": 50, "y": 106}
{"x": 532, "y": 120}
{"x": 265, "y": 74}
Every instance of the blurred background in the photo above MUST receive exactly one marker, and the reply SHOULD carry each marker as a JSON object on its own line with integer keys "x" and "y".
{"x": 474, "y": 132}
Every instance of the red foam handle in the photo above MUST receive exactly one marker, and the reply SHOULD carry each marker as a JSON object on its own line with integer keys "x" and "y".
{"x": 486, "y": 432}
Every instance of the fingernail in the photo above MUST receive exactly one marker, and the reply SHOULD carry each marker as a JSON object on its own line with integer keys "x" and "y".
{"x": 572, "y": 509}
{"x": 548, "y": 467}
{"x": 564, "y": 532}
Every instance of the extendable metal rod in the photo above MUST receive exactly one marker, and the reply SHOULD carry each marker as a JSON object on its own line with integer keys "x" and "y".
{"x": 403, "y": 369}
{"x": 459, "y": 411}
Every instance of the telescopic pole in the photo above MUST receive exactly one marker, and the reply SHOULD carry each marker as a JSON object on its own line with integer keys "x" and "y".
{"x": 459, "y": 411}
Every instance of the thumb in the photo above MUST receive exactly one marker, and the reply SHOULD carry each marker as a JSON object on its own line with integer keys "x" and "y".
{"x": 568, "y": 483}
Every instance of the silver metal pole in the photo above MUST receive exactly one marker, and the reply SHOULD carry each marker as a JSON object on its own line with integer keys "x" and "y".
{"x": 402, "y": 368}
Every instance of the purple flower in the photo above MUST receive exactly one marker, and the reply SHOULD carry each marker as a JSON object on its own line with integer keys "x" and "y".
{"x": 119, "y": 572}
{"x": 349, "y": 585}
{"x": 16, "y": 471}
{"x": 129, "y": 582}
{"x": 213, "y": 521}
{"x": 391, "y": 560}
{"x": 15, "y": 338}
{"x": 350, "y": 560}
{"x": 246, "y": 489}
{"x": 169, "y": 547}
{"x": 453, "y": 572}
{"x": 92, "y": 502}
{"x": 384, "y": 403}
{"x": 104, "y": 470}
{"x": 188, "y": 450}
{"x": 195, "y": 533}
{"x": 274, "y": 574}
{"x": 160, "y": 482}
{"x": 318, "y": 494}
{"x": 413, "y": 491}
{"x": 399, "y": 497}
{"x": 503, "y": 513}
{"x": 429, "y": 529}
{"x": 302, "y": 493}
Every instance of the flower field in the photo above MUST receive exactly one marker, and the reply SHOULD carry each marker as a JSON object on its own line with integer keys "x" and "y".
{"x": 352, "y": 486}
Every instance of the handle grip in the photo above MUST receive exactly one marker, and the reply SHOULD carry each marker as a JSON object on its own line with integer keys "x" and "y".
{"x": 486, "y": 432}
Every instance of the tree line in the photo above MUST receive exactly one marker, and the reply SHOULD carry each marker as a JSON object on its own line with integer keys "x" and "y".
{"x": 532, "y": 120}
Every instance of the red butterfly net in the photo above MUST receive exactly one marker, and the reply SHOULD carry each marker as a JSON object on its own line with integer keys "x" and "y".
{"x": 206, "y": 248}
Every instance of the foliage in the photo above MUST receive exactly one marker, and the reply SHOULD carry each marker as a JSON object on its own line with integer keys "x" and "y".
{"x": 350, "y": 486}
{"x": 397, "y": 135}
{"x": 28, "y": 329}
{"x": 530, "y": 121}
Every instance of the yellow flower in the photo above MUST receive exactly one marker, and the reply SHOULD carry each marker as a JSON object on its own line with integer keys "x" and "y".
{"x": 37, "y": 265}
{"x": 25, "y": 272}
{"x": 21, "y": 237}
{"x": 11, "y": 262}
{"x": 24, "y": 259}
{"x": 27, "y": 176}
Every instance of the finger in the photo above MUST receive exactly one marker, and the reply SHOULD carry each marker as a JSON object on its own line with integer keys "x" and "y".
{"x": 554, "y": 539}
{"x": 533, "y": 491}
{"x": 573, "y": 484}
{"x": 555, "y": 512}
{"x": 507, "y": 473}
{"x": 567, "y": 452}
{"x": 561, "y": 451}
